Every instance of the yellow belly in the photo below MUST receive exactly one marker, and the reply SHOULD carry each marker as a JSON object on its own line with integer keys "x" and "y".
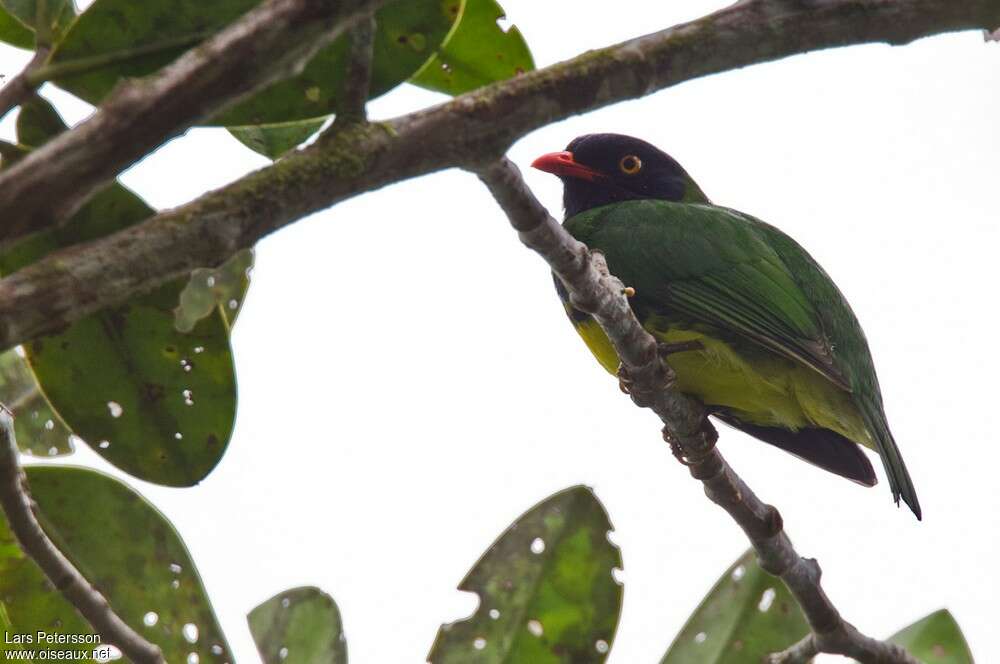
{"x": 756, "y": 386}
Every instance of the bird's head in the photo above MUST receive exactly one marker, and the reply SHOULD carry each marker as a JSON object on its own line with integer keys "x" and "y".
{"x": 598, "y": 169}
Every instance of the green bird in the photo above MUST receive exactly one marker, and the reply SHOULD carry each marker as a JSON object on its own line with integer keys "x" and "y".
{"x": 773, "y": 348}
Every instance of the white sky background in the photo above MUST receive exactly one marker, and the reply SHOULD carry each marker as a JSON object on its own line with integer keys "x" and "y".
{"x": 409, "y": 385}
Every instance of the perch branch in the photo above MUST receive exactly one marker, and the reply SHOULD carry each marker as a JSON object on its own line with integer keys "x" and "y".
{"x": 268, "y": 43}
{"x": 597, "y": 292}
{"x": 357, "y": 81}
{"x": 92, "y": 605}
{"x": 73, "y": 283}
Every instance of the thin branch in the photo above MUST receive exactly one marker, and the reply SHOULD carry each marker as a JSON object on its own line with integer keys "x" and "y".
{"x": 17, "y": 90}
{"x": 801, "y": 652}
{"x": 352, "y": 106}
{"x": 593, "y": 290}
{"x": 20, "y": 511}
{"x": 78, "y": 281}
{"x": 270, "y": 42}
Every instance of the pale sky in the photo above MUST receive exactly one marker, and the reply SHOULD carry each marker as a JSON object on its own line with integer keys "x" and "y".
{"x": 880, "y": 160}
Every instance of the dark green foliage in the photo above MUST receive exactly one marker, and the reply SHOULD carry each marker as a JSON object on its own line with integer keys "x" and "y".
{"x": 936, "y": 639}
{"x": 14, "y": 32}
{"x": 546, "y": 590}
{"x": 299, "y": 626}
{"x": 123, "y": 546}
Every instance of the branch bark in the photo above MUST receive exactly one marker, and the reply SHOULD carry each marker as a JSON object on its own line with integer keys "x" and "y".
{"x": 92, "y": 605}
{"x": 270, "y": 42}
{"x": 76, "y": 282}
{"x": 685, "y": 423}
{"x": 22, "y": 86}
{"x": 357, "y": 82}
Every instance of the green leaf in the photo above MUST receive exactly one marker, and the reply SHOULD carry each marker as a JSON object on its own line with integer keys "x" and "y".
{"x": 745, "y": 616}
{"x": 407, "y": 35}
{"x": 56, "y": 16}
{"x": 274, "y": 140}
{"x": 937, "y": 639}
{"x": 14, "y": 32}
{"x": 154, "y": 401}
{"x": 39, "y": 429}
{"x": 546, "y": 590}
{"x": 477, "y": 53}
{"x": 213, "y": 290}
{"x": 299, "y": 626}
{"x": 126, "y": 549}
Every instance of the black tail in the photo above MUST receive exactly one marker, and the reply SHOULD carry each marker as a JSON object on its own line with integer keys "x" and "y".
{"x": 821, "y": 447}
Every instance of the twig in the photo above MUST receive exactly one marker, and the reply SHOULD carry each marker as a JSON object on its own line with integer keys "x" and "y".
{"x": 270, "y": 42}
{"x": 593, "y": 290}
{"x": 92, "y": 605}
{"x": 19, "y": 88}
{"x": 71, "y": 284}
{"x": 351, "y": 107}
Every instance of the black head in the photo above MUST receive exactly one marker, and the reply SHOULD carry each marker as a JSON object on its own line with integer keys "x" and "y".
{"x": 598, "y": 169}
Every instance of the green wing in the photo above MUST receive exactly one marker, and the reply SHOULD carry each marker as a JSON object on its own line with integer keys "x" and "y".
{"x": 707, "y": 264}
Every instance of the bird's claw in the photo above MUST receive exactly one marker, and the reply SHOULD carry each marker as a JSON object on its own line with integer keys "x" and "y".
{"x": 624, "y": 380}
{"x": 678, "y": 451}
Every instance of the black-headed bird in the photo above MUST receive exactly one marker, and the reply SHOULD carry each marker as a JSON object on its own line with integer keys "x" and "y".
{"x": 773, "y": 348}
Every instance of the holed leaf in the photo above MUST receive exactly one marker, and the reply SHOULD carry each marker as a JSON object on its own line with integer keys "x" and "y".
{"x": 936, "y": 639}
{"x": 127, "y": 550}
{"x": 745, "y": 616}
{"x": 39, "y": 429}
{"x": 155, "y": 402}
{"x": 407, "y": 35}
{"x": 14, "y": 32}
{"x": 477, "y": 53}
{"x": 299, "y": 626}
{"x": 546, "y": 590}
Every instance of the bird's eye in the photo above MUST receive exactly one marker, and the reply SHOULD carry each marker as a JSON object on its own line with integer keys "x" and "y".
{"x": 630, "y": 164}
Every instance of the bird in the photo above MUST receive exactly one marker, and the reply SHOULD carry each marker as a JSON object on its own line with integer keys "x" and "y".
{"x": 760, "y": 333}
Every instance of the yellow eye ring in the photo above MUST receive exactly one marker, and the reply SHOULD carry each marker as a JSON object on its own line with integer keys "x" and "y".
{"x": 630, "y": 164}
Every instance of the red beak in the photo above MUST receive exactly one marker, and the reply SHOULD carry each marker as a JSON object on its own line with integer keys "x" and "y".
{"x": 563, "y": 165}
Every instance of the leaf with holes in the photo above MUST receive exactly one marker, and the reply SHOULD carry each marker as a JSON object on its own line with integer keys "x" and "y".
{"x": 127, "y": 550}
{"x": 299, "y": 626}
{"x": 14, "y": 32}
{"x": 157, "y": 403}
{"x": 274, "y": 140}
{"x": 215, "y": 290}
{"x": 477, "y": 53}
{"x": 937, "y": 639}
{"x": 57, "y": 15}
{"x": 546, "y": 590}
{"x": 39, "y": 429}
{"x": 408, "y": 34}
{"x": 745, "y": 616}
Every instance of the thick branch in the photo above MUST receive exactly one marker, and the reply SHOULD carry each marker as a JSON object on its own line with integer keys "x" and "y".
{"x": 593, "y": 290}
{"x": 79, "y": 281}
{"x": 268, "y": 43}
{"x": 20, "y": 511}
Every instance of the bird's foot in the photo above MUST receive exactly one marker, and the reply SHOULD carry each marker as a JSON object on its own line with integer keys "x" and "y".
{"x": 665, "y": 349}
{"x": 624, "y": 380}
{"x": 678, "y": 451}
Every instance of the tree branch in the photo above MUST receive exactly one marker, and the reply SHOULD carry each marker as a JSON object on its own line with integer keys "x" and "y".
{"x": 270, "y": 42}
{"x": 78, "y": 281}
{"x": 20, "y": 511}
{"x": 593, "y": 290}
{"x": 22, "y": 86}
{"x": 357, "y": 82}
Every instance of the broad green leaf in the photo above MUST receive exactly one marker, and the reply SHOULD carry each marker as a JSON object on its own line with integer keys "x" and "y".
{"x": 745, "y": 616}
{"x": 477, "y": 53}
{"x": 157, "y": 403}
{"x": 299, "y": 626}
{"x": 38, "y": 122}
{"x": 407, "y": 35}
{"x": 546, "y": 590}
{"x": 14, "y": 32}
{"x": 937, "y": 639}
{"x": 127, "y": 550}
{"x": 274, "y": 140}
{"x": 213, "y": 290}
{"x": 39, "y": 429}
{"x": 57, "y": 15}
